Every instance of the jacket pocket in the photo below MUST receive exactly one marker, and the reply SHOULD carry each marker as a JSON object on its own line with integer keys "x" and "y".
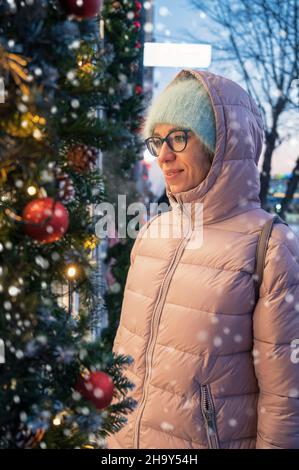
{"x": 209, "y": 415}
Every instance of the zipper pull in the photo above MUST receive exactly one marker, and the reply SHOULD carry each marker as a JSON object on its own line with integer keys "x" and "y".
{"x": 208, "y": 409}
{"x": 208, "y": 412}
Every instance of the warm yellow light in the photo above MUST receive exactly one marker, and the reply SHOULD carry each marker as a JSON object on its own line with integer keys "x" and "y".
{"x": 31, "y": 190}
{"x": 38, "y": 119}
{"x": 88, "y": 67}
{"x": 37, "y": 134}
{"x": 91, "y": 243}
{"x": 56, "y": 422}
{"x": 71, "y": 272}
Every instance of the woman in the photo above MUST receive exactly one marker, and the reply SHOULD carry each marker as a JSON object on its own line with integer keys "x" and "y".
{"x": 211, "y": 368}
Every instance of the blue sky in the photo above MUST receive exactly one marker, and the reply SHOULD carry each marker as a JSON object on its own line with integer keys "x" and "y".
{"x": 171, "y": 28}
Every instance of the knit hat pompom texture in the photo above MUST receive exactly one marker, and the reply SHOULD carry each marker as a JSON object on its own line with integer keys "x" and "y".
{"x": 184, "y": 103}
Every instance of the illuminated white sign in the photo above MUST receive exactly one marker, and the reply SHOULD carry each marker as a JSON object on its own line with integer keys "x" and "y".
{"x": 176, "y": 55}
{"x": 2, "y": 351}
{"x": 2, "y": 91}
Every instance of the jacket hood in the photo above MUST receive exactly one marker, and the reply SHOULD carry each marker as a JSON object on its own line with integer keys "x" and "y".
{"x": 232, "y": 185}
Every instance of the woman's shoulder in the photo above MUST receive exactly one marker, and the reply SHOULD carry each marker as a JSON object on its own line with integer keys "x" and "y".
{"x": 283, "y": 237}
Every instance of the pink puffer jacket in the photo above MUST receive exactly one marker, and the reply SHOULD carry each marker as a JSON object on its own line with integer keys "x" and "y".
{"x": 211, "y": 369}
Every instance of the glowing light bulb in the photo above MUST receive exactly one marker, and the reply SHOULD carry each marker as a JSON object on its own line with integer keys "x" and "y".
{"x": 71, "y": 272}
{"x": 31, "y": 190}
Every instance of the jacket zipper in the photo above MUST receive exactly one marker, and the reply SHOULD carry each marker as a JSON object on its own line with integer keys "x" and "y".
{"x": 156, "y": 314}
{"x": 208, "y": 411}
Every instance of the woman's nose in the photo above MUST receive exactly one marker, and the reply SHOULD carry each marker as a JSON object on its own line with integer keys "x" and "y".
{"x": 166, "y": 153}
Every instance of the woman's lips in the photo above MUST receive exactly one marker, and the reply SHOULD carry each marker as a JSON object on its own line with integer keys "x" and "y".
{"x": 172, "y": 174}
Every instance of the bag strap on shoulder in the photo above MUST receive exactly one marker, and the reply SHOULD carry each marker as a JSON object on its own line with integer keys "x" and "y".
{"x": 261, "y": 251}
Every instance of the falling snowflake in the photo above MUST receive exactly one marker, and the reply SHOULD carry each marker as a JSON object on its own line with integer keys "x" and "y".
{"x": 217, "y": 341}
{"x": 289, "y": 298}
{"x": 294, "y": 393}
{"x": 187, "y": 405}
{"x": 160, "y": 27}
{"x": 19, "y": 354}
{"x": 71, "y": 75}
{"x": 163, "y": 11}
{"x": 232, "y": 422}
{"x": 13, "y": 291}
{"x": 64, "y": 355}
{"x": 148, "y": 27}
{"x": 166, "y": 426}
{"x": 235, "y": 125}
{"x": 202, "y": 335}
{"x": 75, "y": 103}
{"x": 42, "y": 262}
{"x": 23, "y": 416}
{"x": 214, "y": 319}
{"x": 290, "y": 235}
{"x": 238, "y": 338}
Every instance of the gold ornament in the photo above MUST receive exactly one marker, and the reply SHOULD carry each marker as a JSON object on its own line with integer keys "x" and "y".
{"x": 91, "y": 243}
{"x": 3, "y": 175}
{"x": 16, "y": 66}
{"x": 26, "y": 125}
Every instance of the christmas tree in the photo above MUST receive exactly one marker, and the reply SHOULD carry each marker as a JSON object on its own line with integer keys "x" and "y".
{"x": 69, "y": 91}
{"x": 124, "y": 29}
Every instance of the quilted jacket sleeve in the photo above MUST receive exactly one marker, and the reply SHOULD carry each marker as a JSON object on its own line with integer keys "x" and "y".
{"x": 276, "y": 343}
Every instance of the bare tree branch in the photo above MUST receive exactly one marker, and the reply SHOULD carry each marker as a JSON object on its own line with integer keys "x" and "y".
{"x": 261, "y": 37}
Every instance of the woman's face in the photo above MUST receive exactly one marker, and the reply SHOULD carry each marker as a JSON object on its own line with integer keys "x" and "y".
{"x": 190, "y": 166}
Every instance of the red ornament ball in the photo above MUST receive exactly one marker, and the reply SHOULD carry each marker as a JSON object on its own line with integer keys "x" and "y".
{"x": 82, "y": 8}
{"x": 138, "y": 89}
{"x": 96, "y": 387}
{"x": 46, "y": 220}
{"x": 137, "y": 25}
{"x": 138, "y": 6}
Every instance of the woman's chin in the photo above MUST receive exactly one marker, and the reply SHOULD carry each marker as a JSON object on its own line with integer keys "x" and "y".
{"x": 174, "y": 188}
{"x": 181, "y": 188}
{"x": 178, "y": 188}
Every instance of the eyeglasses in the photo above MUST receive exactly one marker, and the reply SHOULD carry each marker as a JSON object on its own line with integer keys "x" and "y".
{"x": 176, "y": 140}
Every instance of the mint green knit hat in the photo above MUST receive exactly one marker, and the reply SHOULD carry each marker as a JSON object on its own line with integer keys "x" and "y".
{"x": 186, "y": 103}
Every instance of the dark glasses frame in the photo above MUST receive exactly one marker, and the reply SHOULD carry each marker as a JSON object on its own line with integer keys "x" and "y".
{"x": 166, "y": 139}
